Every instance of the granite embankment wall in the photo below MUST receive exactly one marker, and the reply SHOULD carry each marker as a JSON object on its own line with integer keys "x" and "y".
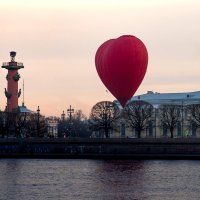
{"x": 180, "y": 148}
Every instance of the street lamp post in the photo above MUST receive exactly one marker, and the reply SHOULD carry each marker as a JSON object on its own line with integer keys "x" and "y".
{"x": 182, "y": 119}
{"x": 63, "y": 116}
{"x": 38, "y": 121}
{"x": 183, "y": 104}
{"x": 70, "y": 111}
{"x": 107, "y": 115}
{"x": 155, "y": 122}
{"x": 155, "y": 115}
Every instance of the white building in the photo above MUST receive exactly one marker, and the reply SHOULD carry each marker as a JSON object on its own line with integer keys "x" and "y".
{"x": 52, "y": 126}
{"x": 156, "y": 100}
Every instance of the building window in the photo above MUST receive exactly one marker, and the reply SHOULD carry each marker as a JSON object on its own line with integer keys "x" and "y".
{"x": 194, "y": 129}
{"x": 135, "y": 132}
{"x": 150, "y": 128}
{"x": 123, "y": 130}
{"x": 178, "y": 112}
{"x": 178, "y": 127}
{"x": 164, "y": 130}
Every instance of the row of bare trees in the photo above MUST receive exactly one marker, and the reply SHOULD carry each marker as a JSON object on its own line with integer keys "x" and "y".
{"x": 105, "y": 116}
{"x": 22, "y": 125}
{"x": 188, "y": 117}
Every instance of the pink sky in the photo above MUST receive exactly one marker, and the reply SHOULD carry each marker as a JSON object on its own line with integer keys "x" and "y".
{"x": 57, "y": 42}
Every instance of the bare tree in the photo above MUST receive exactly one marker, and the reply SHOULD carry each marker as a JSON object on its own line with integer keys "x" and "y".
{"x": 170, "y": 115}
{"x": 76, "y": 126}
{"x": 3, "y": 119}
{"x": 138, "y": 114}
{"x": 193, "y": 117}
{"x": 63, "y": 128}
{"x": 35, "y": 126}
{"x": 19, "y": 123}
{"x": 103, "y": 116}
{"x": 11, "y": 123}
{"x": 194, "y": 113}
{"x": 79, "y": 116}
{"x": 80, "y": 124}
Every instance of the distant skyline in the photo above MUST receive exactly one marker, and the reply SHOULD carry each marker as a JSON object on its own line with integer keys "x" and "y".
{"x": 57, "y": 42}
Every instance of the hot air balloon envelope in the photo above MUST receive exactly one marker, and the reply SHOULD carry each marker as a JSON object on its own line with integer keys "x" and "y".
{"x": 121, "y": 65}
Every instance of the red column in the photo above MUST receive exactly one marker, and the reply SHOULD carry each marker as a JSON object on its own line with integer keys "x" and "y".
{"x": 12, "y": 93}
{"x": 12, "y": 89}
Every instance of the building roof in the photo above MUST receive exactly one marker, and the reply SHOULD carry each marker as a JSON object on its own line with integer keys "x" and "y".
{"x": 156, "y": 98}
{"x": 23, "y": 109}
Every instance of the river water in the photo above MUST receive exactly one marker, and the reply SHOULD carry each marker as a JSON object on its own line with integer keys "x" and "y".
{"x": 42, "y": 179}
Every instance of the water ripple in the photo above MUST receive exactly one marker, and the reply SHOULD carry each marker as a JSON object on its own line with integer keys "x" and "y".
{"x": 40, "y": 179}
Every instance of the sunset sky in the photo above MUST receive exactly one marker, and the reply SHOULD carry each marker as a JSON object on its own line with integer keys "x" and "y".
{"x": 57, "y": 41}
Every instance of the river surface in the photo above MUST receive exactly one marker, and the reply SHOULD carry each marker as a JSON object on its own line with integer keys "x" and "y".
{"x": 42, "y": 179}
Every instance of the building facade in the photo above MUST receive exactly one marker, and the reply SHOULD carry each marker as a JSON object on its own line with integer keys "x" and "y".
{"x": 52, "y": 126}
{"x": 184, "y": 127}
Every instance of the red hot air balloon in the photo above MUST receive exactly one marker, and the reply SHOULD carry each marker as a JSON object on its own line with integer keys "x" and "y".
{"x": 121, "y": 65}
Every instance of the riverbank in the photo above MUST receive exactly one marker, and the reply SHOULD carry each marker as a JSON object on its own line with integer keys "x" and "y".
{"x": 118, "y": 148}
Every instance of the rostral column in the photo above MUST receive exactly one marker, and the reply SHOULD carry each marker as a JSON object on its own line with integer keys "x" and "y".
{"x": 12, "y": 94}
